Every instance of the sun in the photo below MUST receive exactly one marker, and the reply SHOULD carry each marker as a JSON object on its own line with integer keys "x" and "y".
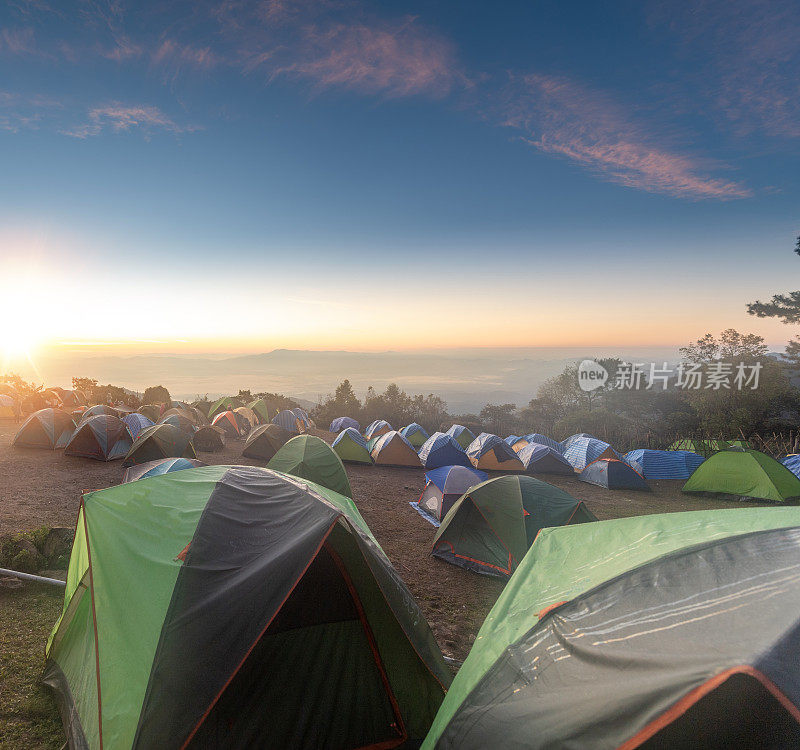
{"x": 17, "y": 343}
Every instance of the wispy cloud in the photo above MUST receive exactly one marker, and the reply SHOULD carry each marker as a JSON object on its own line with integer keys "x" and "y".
{"x": 746, "y": 54}
{"x": 558, "y": 116}
{"x": 120, "y": 118}
{"x": 17, "y": 41}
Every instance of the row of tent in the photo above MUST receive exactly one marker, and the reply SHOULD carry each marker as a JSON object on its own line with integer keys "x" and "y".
{"x": 243, "y": 606}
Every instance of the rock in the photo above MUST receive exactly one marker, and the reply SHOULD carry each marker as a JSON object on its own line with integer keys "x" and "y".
{"x": 27, "y": 559}
{"x": 58, "y": 543}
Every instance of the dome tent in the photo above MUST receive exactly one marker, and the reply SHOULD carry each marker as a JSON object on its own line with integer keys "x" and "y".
{"x": 746, "y": 474}
{"x": 441, "y": 449}
{"x": 415, "y": 433}
{"x": 159, "y": 467}
{"x": 98, "y": 411}
{"x": 351, "y": 447}
{"x": 542, "y": 459}
{"x": 443, "y": 486}
{"x": 159, "y": 441}
{"x": 102, "y": 437}
{"x": 489, "y": 529}
{"x": 181, "y": 421}
{"x": 226, "y": 403}
{"x": 136, "y": 422}
{"x": 703, "y": 447}
{"x": 638, "y": 580}
{"x": 309, "y": 457}
{"x": 392, "y": 449}
{"x": 462, "y": 434}
{"x": 537, "y": 437}
{"x": 657, "y": 465}
{"x": 342, "y": 423}
{"x": 613, "y": 474}
{"x": 209, "y": 439}
{"x": 583, "y": 450}
{"x": 288, "y": 420}
{"x": 281, "y": 598}
{"x": 265, "y": 441}
{"x": 232, "y": 424}
{"x": 376, "y": 429}
{"x": 46, "y": 428}
{"x": 489, "y": 453}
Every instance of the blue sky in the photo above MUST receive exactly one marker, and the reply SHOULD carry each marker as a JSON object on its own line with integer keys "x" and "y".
{"x": 630, "y": 168}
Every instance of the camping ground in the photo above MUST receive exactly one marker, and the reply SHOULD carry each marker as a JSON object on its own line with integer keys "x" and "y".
{"x": 42, "y": 489}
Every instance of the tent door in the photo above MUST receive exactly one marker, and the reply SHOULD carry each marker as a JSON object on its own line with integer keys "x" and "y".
{"x": 313, "y": 680}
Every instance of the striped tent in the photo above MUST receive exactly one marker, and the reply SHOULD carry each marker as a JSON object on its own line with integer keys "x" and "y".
{"x": 584, "y": 450}
{"x": 658, "y": 465}
{"x": 136, "y": 422}
{"x": 537, "y": 437}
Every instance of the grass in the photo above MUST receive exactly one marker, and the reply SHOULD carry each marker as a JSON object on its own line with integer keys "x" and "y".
{"x": 28, "y": 714}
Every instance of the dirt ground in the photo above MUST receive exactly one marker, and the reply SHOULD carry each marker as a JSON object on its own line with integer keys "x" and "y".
{"x": 43, "y": 488}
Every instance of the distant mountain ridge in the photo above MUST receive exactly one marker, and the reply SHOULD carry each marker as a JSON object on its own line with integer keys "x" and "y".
{"x": 465, "y": 378}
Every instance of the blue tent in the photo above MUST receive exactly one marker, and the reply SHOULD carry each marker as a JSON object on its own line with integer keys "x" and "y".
{"x": 158, "y": 467}
{"x": 511, "y": 439}
{"x": 288, "y": 420}
{"x": 302, "y": 415}
{"x": 663, "y": 464}
{"x": 342, "y": 423}
{"x": 537, "y": 437}
{"x": 489, "y": 452}
{"x": 136, "y": 422}
{"x": 572, "y": 438}
{"x": 463, "y": 434}
{"x": 415, "y": 433}
{"x": 441, "y": 449}
{"x": 792, "y": 462}
{"x": 583, "y": 450}
{"x": 443, "y": 486}
{"x": 613, "y": 474}
{"x": 377, "y": 428}
{"x": 542, "y": 459}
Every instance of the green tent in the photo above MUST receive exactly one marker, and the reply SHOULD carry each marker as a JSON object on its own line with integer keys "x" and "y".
{"x": 309, "y": 457}
{"x": 226, "y": 403}
{"x": 744, "y": 473}
{"x": 490, "y": 527}
{"x": 705, "y": 448}
{"x": 606, "y": 626}
{"x": 229, "y": 606}
{"x": 263, "y": 410}
{"x": 350, "y": 447}
{"x": 159, "y": 441}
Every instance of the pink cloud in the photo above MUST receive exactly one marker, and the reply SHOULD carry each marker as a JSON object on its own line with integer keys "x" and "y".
{"x": 119, "y": 118}
{"x": 171, "y": 52}
{"x": 560, "y": 117}
{"x": 393, "y": 60}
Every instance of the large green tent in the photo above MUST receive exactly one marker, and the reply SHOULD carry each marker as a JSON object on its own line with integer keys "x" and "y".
{"x": 744, "y": 473}
{"x": 309, "y": 457}
{"x": 491, "y": 526}
{"x": 230, "y": 606}
{"x": 263, "y": 410}
{"x": 160, "y": 441}
{"x": 665, "y": 628}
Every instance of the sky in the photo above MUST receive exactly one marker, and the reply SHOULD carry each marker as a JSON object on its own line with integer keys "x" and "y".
{"x": 243, "y": 175}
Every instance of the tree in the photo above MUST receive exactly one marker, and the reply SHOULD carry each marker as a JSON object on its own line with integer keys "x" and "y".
{"x": 156, "y": 394}
{"x": 342, "y": 403}
{"x": 500, "y": 419}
